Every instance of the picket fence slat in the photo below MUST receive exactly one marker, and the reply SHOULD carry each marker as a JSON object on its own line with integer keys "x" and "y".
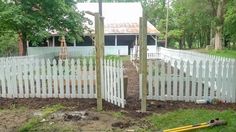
{"x": 37, "y": 78}
{"x": 3, "y": 80}
{"x": 73, "y": 79}
{"x": 91, "y": 89}
{"x": 156, "y": 80}
{"x": 26, "y": 78}
{"x": 163, "y": 80}
{"x": 85, "y": 85}
{"x": 200, "y": 81}
{"x": 43, "y": 78}
{"x": 66, "y": 79}
{"x": 206, "y": 83}
{"x": 79, "y": 78}
{"x": 175, "y": 80}
{"x": 61, "y": 80}
{"x": 20, "y": 79}
{"x": 213, "y": 79}
{"x": 55, "y": 79}
{"x": 187, "y": 79}
{"x": 49, "y": 79}
{"x": 168, "y": 81}
{"x": 150, "y": 95}
{"x": 181, "y": 81}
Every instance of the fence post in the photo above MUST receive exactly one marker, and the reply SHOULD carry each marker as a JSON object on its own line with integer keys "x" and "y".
{"x": 143, "y": 51}
{"x": 98, "y": 60}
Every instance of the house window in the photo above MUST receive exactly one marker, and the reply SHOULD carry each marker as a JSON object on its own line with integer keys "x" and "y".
{"x": 110, "y": 40}
{"x": 125, "y": 40}
{"x": 87, "y": 41}
{"x": 150, "y": 40}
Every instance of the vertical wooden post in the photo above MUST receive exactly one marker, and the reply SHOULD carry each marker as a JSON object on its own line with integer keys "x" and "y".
{"x": 98, "y": 61}
{"x": 143, "y": 58}
{"x": 102, "y": 36}
{"x": 140, "y": 42}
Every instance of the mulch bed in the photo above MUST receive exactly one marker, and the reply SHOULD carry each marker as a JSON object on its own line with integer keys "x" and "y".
{"x": 133, "y": 102}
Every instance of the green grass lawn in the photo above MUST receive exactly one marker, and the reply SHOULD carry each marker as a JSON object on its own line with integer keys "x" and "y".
{"x": 194, "y": 116}
{"x": 222, "y": 53}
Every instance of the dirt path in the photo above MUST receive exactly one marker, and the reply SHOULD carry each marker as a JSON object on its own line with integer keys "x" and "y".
{"x": 133, "y": 86}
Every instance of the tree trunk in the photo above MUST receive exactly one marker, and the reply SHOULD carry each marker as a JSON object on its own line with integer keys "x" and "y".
{"x": 22, "y": 44}
{"x": 218, "y": 39}
{"x": 219, "y": 27}
{"x": 180, "y": 44}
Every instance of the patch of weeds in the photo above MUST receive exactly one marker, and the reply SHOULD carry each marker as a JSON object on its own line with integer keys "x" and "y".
{"x": 51, "y": 109}
{"x": 30, "y": 124}
{"x": 33, "y": 123}
{"x": 118, "y": 115}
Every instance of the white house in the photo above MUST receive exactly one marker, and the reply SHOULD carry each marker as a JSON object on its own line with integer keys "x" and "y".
{"x": 121, "y": 29}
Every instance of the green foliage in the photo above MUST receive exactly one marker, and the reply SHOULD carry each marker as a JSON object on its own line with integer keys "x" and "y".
{"x": 194, "y": 116}
{"x": 8, "y": 44}
{"x": 34, "y": 18}
{"x": 192, "y": 23}
{"x": 230, "y": 20}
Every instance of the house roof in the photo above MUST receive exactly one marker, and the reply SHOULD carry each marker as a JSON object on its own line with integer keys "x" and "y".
{"x": 119, "y": 18}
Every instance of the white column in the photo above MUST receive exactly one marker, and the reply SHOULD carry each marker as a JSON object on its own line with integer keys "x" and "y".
{"x": 116, "y": 40}
{"x": 136, "y": 40}
{"x": 53, "y": 41}
{"x": 156, "y": 41}
{"x": 48, "y": 42}
{"x": 74, "y": 43}
{"x": 27, "y": 43}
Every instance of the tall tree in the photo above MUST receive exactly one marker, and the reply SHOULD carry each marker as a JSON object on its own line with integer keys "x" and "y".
{"x": 219, "y": 24}
{"x": 33, "y": 19}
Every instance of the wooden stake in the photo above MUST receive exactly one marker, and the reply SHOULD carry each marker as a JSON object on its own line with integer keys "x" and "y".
{"x": 98, "y": 60}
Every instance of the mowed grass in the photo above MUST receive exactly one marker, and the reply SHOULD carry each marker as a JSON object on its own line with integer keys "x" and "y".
{"x": 223, "y": 53}
{"x": 181, "y": 117}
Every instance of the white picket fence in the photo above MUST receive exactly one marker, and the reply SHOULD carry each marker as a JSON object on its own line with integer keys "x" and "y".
{"x": 113, "y": 82}
{"x": 41, "y": 78}
{"x": 167, "y": 82}
{"x": 32, "y": 78}
{"x": 172, "y": 54}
